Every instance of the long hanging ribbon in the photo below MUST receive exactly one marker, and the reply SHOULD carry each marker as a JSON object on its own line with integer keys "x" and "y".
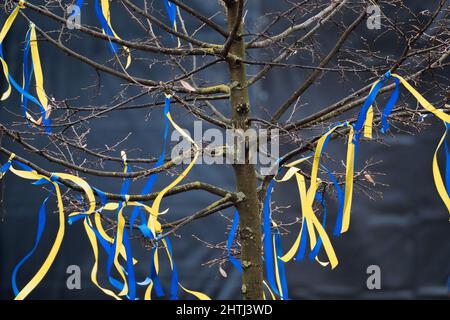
{"x": 157, "y": 202}
{"x": 113, "y": 255}
{"x": 106, "y": 242}
{"x": 93, "y": 240}
{"x": 27, "y": 173}
{"x": 126, "y": 242}
{"x": 273, "y": 251}
{"x": 171, "y": 9}
{"x": 30, "y": 45}
{"x": 340, "y": 197}
{"x": 39, "y": 79}
{"x": 103, "y": 15}
{"x": 155, "y": 208}
{"x": 309, "y": 222}
{"x": 153, "y": 278}
{"x": 447, "y": 159}
{"x": 174, "y": 282}
{"x": 40, "y": 231}
{"x": 268, "y": 241}
{"x": 442, "y": 191}
{"x": 279, "y": 266}
{"x": 8, "y": 23}
{"x": 321, "y": 199}
{"x": 27, "y": 72}
{"x": 440, "y": 186}
{"x": 153, "y": 177}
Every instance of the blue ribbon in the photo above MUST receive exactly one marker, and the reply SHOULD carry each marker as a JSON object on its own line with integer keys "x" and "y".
{"x": 303, "y": 240}
{"x": 101, "y": 195}
{"x": 22, "y": 165}
{"x": 268, "y": 247}
{"x": 137, "y": 211}
{"x": 230, "y": 241}
{"x": 153, "y": 177}
{"x": 321, "y": 199}
{"x": 280, "y": 265}
{"x": 101, "y": 18}
{"x": 79, "y": 4}
{"x": 105, "y": 244}
{"x": 119, "y": 285}
{"x": 171, "y": 11}
{"x": 154, "y": 276}
{"x": 46, "y": 121}
{"x": 103, "y": 201}
{"x": 5, "y": 167}
{"x": 367, "y": 103}
{"x": 389, "y": 106}
{"x": 341, "y": 197}
{"x": 40, "y": 230}
{"x": 27, "y": 71}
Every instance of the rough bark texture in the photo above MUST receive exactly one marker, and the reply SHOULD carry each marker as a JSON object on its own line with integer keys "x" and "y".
{"x": 249, "y": 209}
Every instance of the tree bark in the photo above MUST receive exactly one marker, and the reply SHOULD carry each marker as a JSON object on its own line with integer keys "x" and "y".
{"x": 249, "y": 209}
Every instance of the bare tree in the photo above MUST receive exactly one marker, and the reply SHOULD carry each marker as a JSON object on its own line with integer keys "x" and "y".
{"x": 288, "y": 38}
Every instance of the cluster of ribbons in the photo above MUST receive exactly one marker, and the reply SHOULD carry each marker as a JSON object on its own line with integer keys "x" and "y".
{"x": 119, "y": 246}
{"x": 31, "y": 67}
{"x": 311, "y": 227}
{"x": 116, "y": 247}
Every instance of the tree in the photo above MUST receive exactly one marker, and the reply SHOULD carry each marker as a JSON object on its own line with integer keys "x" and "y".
{"x": 288, "y": 37}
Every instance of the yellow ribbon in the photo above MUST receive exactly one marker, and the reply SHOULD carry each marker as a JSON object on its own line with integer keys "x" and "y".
{"x": 38, "y": 76}
{"x": 106, "y": 13}
{"x": 440, "y": 186}
{"x": 3, "y": 33}
{"x": 33, "y": 175}
{"x": 308, "y": 216}
{"x": 157, "y": 202}
{"x": 198, "y": 295}
{"x": 93, "y": 241}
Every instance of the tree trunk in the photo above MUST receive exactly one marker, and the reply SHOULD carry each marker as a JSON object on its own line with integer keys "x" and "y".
{"x": 249, "y": 209}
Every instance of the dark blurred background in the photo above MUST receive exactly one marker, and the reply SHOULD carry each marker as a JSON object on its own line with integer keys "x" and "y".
{"x": 406, "y": 233}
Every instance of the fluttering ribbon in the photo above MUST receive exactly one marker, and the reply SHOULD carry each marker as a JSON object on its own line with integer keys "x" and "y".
{"x": 363, "y": 125}
{"x": 30, "y": 46}
{"x": 5, "y": 29}
{"x": 153, "y": 177}
{"x": 39, "y": 79}
{"x": 273, "y": 251}
{"x": 310, "y": 226}
{"x": 155, "y": 209}
{"x": 28, "y": 173}
{"x": 440, "y": 186}
{"x": 27, "y": 72}
{"x": 171, "y": 9}
{"x": 104, "y": 17}
{"x": 120, "y": 245}
{"x": 40, "y": 231}
{"x": 151, "y": 230}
